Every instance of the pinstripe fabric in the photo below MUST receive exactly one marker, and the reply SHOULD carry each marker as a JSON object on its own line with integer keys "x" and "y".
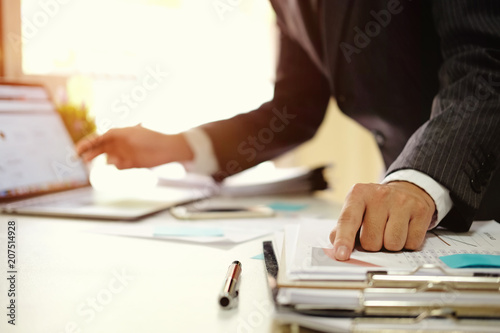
{"x": 423, "y": 76}
{"x": 461, "y": 141}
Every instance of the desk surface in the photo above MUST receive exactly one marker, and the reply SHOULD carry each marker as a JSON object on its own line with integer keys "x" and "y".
{"x": 70, "y": 280}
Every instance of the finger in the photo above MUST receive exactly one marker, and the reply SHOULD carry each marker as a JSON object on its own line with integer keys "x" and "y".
{"x": 371, "y": 235}
{"x": 417, "y": 229}
{"x": 347, "y": 227}
{"x": 122, "y": 163}
{"x": 333, "y": 234}
{"x": 119, "y": 156}
{"x": 87, "y": 143}
{"x": 91, "y": 154}
{"x": 420, "y": 208}
{"x": 96, "y": 146}
{"x": 396, "y": 230}
{"x": 112, "y": 160}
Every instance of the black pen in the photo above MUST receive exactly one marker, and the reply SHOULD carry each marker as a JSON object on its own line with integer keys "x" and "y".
{"x": 228, "y": 297}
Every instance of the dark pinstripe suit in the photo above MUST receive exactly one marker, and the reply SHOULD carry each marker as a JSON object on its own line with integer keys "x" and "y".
{"x": 391, "y": 65}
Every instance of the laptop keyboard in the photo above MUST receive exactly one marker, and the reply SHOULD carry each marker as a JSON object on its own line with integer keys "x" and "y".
{"x": 80, "y": 196}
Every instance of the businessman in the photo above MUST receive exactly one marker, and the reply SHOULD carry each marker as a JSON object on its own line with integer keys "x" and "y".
{"x": 422, "y": 76}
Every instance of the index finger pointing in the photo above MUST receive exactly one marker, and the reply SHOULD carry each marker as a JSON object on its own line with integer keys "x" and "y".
{"x": 93, "y": 146}
{"x": 87, "y": 143}
{"x": 349, "y": 222}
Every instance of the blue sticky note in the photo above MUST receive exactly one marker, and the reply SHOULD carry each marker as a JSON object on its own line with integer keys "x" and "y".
{"x": 188, "y": 231}
{"x": 286, "y": 206}
{"x": 259, "y": 256}
{"x": 469, "y": 260}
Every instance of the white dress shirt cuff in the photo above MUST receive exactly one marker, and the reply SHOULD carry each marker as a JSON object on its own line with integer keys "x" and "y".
{"x": 439, "y": 193}
{"x": 204, "y": 161}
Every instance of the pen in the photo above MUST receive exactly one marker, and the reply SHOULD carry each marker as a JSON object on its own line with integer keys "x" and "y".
{"x": 228, "y": 297}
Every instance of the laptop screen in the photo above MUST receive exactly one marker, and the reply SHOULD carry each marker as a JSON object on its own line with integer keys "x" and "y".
{"x": 36, "y": 152}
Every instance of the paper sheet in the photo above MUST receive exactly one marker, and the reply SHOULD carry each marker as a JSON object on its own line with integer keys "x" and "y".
{"x": 227, "y": 231}
{"x": 310, "y": 255}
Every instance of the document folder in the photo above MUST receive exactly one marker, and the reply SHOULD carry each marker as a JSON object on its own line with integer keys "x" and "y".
{"x": 426, "y": 296}
{"x": 361, "y": 310}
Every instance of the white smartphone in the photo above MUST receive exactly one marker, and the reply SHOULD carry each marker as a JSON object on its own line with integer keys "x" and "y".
{"x": 194, "y": 213}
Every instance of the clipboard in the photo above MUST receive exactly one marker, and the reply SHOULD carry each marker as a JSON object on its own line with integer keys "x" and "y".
{"x": 399, "y": 312}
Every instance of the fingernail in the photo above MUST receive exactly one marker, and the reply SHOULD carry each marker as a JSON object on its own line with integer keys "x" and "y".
{"x": 342, "y": 253}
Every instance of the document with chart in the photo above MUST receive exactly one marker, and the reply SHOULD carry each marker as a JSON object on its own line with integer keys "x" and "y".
{"x": 309, "y": 254}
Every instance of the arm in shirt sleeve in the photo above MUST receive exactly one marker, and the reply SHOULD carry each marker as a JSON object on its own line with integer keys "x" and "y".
{"x": 204, "y": 161}
{"x": 301, "y": 96}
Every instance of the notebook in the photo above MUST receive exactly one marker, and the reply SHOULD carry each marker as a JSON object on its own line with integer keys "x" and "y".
{"x": 41, "y": 174}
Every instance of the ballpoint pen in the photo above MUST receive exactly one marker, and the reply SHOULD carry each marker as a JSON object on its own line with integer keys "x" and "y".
{"x": 228, "y": 297}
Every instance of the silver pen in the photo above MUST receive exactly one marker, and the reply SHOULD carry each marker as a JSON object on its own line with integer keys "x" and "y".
{"x": 228, "y": 297}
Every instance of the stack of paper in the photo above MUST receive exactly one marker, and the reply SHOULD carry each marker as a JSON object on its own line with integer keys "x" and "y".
{"x": 315, "y": 289}
{"x": 255, "y": 181}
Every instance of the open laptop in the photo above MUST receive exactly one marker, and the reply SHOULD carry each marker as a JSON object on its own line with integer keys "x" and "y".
{"x": 40, "y": 173}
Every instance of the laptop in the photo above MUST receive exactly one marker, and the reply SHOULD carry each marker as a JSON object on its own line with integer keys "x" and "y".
{"x": 41, "y": 174}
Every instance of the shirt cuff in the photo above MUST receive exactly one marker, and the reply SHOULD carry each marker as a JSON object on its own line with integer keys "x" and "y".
{"x": 204, "y": 161}
{"x": 439, "y": 193}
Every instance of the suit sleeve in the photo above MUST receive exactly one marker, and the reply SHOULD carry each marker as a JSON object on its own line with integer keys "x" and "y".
{"x": 459, "y": 146}
{"x": 292, "y": 117}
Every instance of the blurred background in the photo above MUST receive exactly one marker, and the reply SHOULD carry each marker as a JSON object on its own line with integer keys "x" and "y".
{"x": 169, "y": 65}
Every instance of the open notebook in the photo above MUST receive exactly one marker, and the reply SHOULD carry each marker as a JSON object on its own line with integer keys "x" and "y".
{"x": 40, "y": 173}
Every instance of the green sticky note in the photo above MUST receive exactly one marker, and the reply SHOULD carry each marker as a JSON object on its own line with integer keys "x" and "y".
{"x": 285, "y": 206}
{"x": 469, "y": 260}
{"x": 259, "y": 256}
{"x": 176, "y": 231}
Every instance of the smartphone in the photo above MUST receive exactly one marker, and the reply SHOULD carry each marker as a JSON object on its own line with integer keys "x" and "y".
{"x": 193, "y": 213}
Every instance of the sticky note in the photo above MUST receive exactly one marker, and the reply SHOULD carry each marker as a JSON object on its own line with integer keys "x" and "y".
{"x": 259, "y": 256}
{"x": 469, "y": 260}
{"x": 188, "y": 231}
{"x": 285, "y": 206}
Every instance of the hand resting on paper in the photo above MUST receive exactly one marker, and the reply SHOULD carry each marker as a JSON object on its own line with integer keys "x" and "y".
{"x": 135, "y": 147}
{"x": 391, "y": 216}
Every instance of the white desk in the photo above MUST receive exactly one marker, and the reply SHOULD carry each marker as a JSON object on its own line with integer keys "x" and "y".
{"x": 74, "y": 281}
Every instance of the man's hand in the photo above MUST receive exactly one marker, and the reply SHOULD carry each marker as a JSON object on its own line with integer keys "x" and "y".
{"x": 394, "y": 216}
{"x": 135, "y": 147}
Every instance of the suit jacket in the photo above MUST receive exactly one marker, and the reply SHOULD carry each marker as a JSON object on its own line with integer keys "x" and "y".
{"x": 423, "y": 76}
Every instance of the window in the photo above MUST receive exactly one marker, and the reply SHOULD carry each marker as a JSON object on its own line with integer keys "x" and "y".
{"x": 169, "y": 64}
